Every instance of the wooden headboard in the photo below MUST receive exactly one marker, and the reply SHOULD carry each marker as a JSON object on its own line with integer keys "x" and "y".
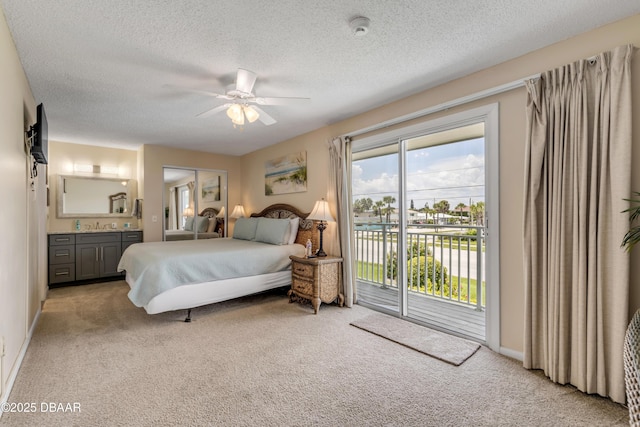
{"x": 209, "y": 212}
{"x": 305, "y": 228}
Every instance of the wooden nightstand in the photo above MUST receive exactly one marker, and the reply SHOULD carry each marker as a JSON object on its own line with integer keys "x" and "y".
{"x": 316, "y": 279}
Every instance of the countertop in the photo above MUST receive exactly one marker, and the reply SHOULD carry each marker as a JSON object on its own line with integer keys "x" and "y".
{"x": 108, "y": 230}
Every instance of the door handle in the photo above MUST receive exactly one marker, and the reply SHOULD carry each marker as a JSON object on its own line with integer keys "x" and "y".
{"x": 96, "y": 254}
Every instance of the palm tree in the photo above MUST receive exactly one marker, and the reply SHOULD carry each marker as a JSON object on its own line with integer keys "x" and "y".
{"x": 459, "y": 208}
{"x": 388, "y": 200}
{"x": 377, "y": 207}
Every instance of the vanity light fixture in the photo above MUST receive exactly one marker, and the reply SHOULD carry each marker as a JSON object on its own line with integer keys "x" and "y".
{"x": 96, "y": 169}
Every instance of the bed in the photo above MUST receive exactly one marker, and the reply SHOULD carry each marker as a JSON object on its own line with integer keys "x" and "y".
{"x": 210, "y": 230}
{"x": 177, "y": 275}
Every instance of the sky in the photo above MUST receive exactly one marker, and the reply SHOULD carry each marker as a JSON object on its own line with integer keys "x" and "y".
{"x": 452, "y": 172}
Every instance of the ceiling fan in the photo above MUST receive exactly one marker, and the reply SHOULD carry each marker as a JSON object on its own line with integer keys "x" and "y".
{"x": 243, "y": 101}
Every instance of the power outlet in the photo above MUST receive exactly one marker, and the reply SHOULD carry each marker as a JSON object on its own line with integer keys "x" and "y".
{"x": 154, "y": 218}
{"x": 114, "y": 225}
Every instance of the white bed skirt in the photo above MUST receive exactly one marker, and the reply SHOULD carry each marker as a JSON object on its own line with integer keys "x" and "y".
{"x": 190, "y": 296}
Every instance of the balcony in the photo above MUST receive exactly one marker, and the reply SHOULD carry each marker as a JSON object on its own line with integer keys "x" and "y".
{"x": 445, "y": 276}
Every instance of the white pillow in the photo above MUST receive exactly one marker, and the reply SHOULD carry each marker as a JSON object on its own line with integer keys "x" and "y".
{"x": 290, "y": 236}
{"x": 213, "y": 222}
{"x": 245, "y": 228}
{"x": 272, "y": 230}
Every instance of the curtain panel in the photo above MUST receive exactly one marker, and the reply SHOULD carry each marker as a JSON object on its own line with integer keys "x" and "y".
{"x": 577, "y": 175}
{"x": 340, "y": 196}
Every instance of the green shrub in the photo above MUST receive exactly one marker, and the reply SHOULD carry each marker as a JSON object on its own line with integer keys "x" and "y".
{"x": 435, "y": 280}
{"x": 392, "y": 258}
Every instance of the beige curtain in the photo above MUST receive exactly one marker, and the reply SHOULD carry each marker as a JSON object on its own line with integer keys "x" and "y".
{"x": 339, "y": 195}
{"x": 577, "y": 175}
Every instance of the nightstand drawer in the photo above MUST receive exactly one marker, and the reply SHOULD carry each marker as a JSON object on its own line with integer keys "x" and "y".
{"x": 302, "y": 286}
{"x": 303, "y": 270}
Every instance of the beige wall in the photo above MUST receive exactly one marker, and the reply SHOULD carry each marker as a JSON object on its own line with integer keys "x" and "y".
{"x": 512, "y": 131}
{"x": 154, "y": 157}
{"x": 62, "y": 157}
{"x": 22, "y": 253}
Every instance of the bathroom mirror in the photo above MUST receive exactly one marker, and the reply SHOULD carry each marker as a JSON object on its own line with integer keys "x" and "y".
{"x": 80, "y": 196}
{"x": 194, "y": 203}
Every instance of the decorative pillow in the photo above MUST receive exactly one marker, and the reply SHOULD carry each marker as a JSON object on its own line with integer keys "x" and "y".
{"x": 245, "y": 228}
{"x": 203, "y": 223}
{"x": 188, "y": 225}
{"x": 290, "y": 236}
{"x": 272, "y": 231}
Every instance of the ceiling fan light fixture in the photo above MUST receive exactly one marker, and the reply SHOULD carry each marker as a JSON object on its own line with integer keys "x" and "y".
{"x": 235, "y": 112}
{"x": 251, "y": 114}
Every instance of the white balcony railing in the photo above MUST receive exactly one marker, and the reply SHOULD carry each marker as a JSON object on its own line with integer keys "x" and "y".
{"x": 443, "y": 261}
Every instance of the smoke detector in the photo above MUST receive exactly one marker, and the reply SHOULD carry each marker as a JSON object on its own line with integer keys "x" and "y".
{"x": 359, "y": 26}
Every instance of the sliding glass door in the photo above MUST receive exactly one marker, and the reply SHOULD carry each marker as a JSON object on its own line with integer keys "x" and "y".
{"x": 420, "y": 198}
{"x": 376, "y": 194}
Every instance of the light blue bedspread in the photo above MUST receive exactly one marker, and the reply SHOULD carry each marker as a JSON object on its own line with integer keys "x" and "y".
{"x": 156, "y": 267}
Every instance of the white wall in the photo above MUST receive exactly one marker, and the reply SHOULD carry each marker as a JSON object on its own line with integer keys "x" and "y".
{"x": 22, "y": 246}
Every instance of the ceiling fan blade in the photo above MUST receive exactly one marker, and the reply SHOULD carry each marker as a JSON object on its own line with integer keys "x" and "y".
{"x": 213, "y": 111}
{"x": 281, "y": 101}
{"x": 264, "y": 117}
{"x": 245, "y": 80}
{"x": 200, "y": 91}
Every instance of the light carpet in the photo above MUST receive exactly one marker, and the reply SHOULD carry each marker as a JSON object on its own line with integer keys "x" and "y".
{"x": 436, "y": 344}
{"x": 260, "y": 361}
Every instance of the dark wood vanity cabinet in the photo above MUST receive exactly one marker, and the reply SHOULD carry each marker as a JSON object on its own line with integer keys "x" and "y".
{"x": 84, "y": 256}
{"x": 97, "y": 255}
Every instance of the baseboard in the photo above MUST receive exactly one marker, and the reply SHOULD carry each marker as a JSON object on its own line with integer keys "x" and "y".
{"x": 512, "y": 353}
{"x": 18, "y": 364}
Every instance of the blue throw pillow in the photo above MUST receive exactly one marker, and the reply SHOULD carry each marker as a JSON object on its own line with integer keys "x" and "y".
{"x": 272, "y": 231}
{"x": 245, "y": 228}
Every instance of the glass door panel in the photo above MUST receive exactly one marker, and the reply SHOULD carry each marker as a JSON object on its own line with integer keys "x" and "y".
{"x": 445, "y": 193}
{"x": 179, "y": 186}
{"x": 375, "y": 188}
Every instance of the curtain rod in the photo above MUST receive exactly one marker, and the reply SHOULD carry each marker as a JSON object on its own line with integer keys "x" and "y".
{"x": 444, "y": 106}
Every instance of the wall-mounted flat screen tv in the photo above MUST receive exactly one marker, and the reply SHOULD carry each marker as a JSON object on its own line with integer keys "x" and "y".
{"x": 40, "y": 141}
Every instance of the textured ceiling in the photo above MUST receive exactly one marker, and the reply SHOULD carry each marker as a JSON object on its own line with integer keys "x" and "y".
{"x": 123, "y": 73}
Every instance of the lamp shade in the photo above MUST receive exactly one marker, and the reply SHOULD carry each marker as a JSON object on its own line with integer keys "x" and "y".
{"x": 321, "y": 212}
{"x": 221, "y": 213}
{"x": 187, "y": 211}
{"x": 238, "y": 212}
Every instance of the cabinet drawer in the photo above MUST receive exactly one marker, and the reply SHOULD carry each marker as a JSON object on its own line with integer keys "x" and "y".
{"x": 304, "y": 270}
{"x": 302, "y": 286}
{"x": 60, "y": 273}
{"x": 62, "y": 254}
{"x": 98, "y": 238}
{"x": 132, "y": 236}
{"x": 62, "y": 239}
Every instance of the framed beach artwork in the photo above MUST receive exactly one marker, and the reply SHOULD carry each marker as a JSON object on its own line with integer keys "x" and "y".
{"x": 211, "y": 190}
{"x": 286, "y": 174}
